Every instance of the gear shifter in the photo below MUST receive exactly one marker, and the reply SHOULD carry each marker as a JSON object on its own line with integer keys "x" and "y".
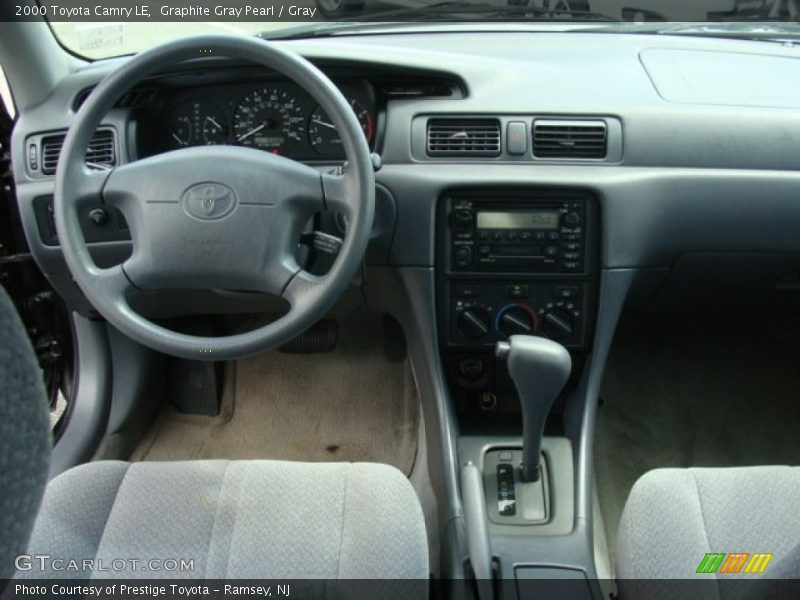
{"x": 539, "y": 368}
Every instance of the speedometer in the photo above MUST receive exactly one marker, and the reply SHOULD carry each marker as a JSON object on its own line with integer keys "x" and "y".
{"x": 268, "y": 119}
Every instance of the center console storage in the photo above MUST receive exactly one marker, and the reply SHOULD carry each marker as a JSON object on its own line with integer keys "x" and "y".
{"x": 520, "y": 261}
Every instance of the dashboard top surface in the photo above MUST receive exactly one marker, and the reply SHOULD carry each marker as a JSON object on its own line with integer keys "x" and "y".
{"x": 585, "y": 74}
{"x": 733, "y": 165}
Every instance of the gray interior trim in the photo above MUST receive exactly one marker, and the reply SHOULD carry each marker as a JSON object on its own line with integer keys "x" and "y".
{"x": 420, "y": 479}
{"x": 91, "y": 397}
{"x": 479, "y": 545}
{"x": 581, "y": 410}
{"x": 32, "y": 42}
{"x": 602, "y": 560}
{"x": 137, "y": 391}
{"x": 407, "y": 294}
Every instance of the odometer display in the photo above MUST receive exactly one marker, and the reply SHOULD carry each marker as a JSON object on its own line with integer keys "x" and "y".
{"x": 269, "y": 119}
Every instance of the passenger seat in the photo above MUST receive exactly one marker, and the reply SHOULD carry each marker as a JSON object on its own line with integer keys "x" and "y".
{"x": 675, "y": 517}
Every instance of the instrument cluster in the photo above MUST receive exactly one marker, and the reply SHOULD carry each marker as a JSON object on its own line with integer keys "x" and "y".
{"x": 278, "y": 117}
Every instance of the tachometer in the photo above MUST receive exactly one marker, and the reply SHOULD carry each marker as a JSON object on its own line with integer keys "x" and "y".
{"x": 268, "y": 119}
{"x": 322, "y": 134}
{"x": 197, "y": 123}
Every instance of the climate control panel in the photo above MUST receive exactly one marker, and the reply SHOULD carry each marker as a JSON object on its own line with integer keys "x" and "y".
{"x": 484, "y": 311}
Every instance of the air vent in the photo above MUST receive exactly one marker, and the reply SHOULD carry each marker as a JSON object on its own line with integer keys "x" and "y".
{"x": 463, "y": 137}
{"x": 101, "y": 152}
{"x": 134, "y": 98}
{"x": 401, "y": 88}
{"x": 570, "y": 139}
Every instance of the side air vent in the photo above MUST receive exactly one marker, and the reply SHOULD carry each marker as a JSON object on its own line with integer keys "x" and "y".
{"x": 100, "y": 154}
{"x": 569, "y": 139}
{"x": 463, "y": 137}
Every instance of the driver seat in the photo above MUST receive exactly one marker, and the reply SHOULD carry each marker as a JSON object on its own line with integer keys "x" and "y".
{"x": 195, "y": 519}
{"x": 232, "y": 520}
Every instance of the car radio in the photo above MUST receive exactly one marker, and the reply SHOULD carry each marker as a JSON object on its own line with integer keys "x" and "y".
{"x": 504, "y": 236}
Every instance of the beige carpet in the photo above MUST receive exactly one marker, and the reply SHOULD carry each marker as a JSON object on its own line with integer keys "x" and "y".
{"x": 347, "y": 405}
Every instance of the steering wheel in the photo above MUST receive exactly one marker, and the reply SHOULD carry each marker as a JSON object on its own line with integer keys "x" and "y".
{"x": 215, "y": 217}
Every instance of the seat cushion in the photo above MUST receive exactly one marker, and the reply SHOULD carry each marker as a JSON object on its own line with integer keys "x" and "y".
{"x": 673, "y": 517}
{"x": 233, "y": 519}
{"x": 24, "y": 436}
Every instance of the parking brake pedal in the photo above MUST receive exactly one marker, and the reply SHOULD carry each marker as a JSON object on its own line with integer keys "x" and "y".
{"x": 320, "y": 337}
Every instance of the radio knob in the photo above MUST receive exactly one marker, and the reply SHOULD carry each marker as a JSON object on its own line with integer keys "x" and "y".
{"x": 517, "y": 320}
{"x": 558, "y": 324}
{"x": 474, "y": 323}
{"x": 463, "y": 217}
{"x": 463, "y": 256}
{"x": 572, "y": 219}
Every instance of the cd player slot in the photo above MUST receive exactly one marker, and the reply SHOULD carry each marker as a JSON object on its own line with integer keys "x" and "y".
{"x": 517, "y": 251}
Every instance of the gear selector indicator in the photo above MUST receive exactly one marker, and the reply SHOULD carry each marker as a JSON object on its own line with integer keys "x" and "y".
{"x": 506, "y": 498}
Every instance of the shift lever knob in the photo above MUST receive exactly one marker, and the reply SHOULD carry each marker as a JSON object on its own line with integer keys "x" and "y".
{"x": 539, "y": 369}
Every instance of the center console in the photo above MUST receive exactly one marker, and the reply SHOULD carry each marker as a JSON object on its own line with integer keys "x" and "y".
{"x": 511, "y": 262}
{"x": 517, "y": 292}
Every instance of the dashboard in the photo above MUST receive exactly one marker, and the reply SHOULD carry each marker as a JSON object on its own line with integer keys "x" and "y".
{"x": 268, "y": 114}
{"x": 684, "y": 172}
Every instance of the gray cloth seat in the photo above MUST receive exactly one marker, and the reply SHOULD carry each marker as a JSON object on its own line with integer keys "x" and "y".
{"x": 673, "y": 517}
{"x": 234, "y": 520}
{"x": 24, "y": 436}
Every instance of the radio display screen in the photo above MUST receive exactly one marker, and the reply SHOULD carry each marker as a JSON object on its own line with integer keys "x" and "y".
{"x": 536, "y": 219}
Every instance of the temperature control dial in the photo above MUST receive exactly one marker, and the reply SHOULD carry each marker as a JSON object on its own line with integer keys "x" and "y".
{"x": 558, "y": 324}
{"x": 474, "y": 323}
{"x": 517, "y": 319}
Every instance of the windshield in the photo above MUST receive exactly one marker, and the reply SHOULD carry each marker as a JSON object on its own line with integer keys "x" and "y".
{"x": 97, "y": 30}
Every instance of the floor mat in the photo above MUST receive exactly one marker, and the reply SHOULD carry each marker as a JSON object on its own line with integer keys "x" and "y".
{"x": 347, "y": 405}
{"x": 708, "y": 392}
